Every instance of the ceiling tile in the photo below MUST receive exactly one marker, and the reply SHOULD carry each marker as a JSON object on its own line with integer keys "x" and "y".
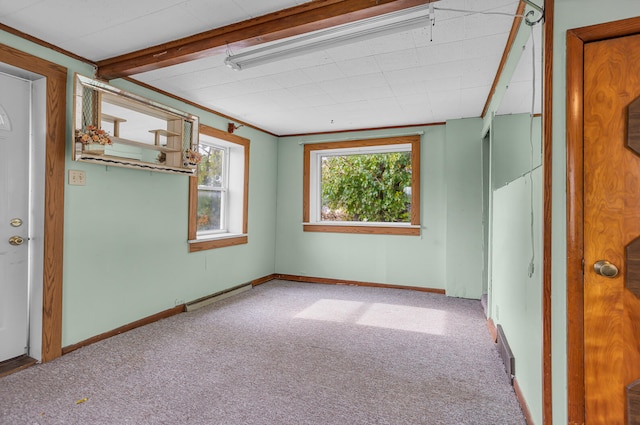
{"x": 324, "y": 72}
{"x": 424, "y": 75}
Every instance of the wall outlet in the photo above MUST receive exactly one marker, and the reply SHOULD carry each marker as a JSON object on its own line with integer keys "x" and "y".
{"x": 77, "y": 178}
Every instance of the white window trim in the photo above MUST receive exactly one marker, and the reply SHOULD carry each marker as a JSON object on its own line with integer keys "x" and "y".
{"x": 315, "y": 183}
{"x": 224, "y": 189}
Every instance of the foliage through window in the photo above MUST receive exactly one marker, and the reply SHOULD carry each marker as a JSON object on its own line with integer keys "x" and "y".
{"x": 212, "y": 189}
{"x": 366, "y": 187}
{"x": 219, "y": 194}
{"x": 363, "y": 186}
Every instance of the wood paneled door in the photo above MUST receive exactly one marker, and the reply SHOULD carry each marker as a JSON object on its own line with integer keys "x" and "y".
{"x": 611, "y": 231}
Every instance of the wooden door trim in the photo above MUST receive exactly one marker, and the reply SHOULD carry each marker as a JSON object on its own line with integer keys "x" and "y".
{"x": 56, "y": 113}
{"x": 576, "y": 39}
{"x": 547, "y": 138}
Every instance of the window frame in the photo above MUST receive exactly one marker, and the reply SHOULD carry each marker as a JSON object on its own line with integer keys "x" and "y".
{"x": 311, "y": 175}
{"x": 220, "y": 239}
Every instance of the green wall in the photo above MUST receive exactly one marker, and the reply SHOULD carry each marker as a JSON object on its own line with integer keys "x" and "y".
{"x": 514, "y": 153}
{"x": 388, "y": 259}
{"x": 464, "y": 235}
{"x": 126, "y": 254}
{"x": 515, "y": 300}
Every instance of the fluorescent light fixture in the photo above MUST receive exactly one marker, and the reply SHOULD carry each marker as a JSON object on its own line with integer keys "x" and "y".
{"x": 402, "y": 20}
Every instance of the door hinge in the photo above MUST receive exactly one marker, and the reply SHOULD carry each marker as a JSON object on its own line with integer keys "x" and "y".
{"x": 583, "y": 266}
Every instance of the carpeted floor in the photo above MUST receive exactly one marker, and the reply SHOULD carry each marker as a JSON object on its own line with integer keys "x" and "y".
{"x": 282, "y": 353}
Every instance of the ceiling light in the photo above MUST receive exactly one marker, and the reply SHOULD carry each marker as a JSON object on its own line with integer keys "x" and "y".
{"x": 402, "y": 20}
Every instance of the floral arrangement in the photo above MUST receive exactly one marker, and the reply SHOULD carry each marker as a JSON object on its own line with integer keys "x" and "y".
{"x": 192, "y": 156}
{"x": 93, "y": 134}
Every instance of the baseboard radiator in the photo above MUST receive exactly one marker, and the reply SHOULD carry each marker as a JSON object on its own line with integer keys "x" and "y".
{"x": 218, "y": 296}
{"x": 506, "y": 354}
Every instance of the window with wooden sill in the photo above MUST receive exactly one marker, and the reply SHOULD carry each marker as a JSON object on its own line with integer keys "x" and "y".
{"x": 367, "y": 186}
{"x": 219, "y": 192}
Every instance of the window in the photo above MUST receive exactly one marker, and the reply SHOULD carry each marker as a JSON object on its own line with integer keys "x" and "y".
{"x": 218, "y": 194}
{"x": 363, "y": 186}
{"x": 213, "y": 189}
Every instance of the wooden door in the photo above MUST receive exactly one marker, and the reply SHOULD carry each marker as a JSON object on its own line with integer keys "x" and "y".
{"x": 611, "y": 225}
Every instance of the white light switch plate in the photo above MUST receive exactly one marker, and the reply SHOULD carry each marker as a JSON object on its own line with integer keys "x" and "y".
{"x": 77, "y": 177}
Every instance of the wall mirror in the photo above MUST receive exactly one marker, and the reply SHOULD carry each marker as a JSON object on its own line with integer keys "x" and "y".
{"x": 115, "y": 127}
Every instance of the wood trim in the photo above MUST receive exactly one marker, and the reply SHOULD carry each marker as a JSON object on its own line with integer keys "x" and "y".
{"x": 245, "y": 195}
{"x": 493, "y": 331}
{"x": 193, "y": 197}
{"x": 607, "y": 30}
{"x": 122, "y": 329}
{"x": 43, "y": 43}
{"x": 229, "y": 137}
{"x": 306, "y": 183}
{"x": 285, "y": 23}
{"x": 576, "y": 39}
{"x": 414, "y": 140}
{"x": 393, "y": 140}
{"x": 329, "y": 281}
{"x": 523, "y": 402}
{"x": 217, "y": 243}
{"x": 264, "y": 279}
{"x": 193, "y": 208}
{"x": 505, "y": 55}
{"x": 415, "y": 184}
{"x": 16, "y": 365}
{"x": 362, "y": 230}
{"x": 575, "y": 241}
{"x": 547, "y": 259}
{"x": 54, "y": 214}
{"x": 56, "y": 114}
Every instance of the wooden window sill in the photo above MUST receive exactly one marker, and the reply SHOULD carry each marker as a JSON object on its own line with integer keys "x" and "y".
{"x": 362, "y": 229}
{"x": 217, "y": 242}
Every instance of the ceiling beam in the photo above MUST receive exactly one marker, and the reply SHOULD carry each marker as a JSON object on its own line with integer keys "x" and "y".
{"x": 297, "y": 20}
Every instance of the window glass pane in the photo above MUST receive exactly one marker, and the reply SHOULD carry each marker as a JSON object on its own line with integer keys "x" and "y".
{"x": 209, "y": 211}
{"x": 211, "y": 167}
{"x": 366, "y": 187}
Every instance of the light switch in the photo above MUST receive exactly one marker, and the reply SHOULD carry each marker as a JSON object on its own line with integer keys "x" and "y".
{"x": 77, "y": 177}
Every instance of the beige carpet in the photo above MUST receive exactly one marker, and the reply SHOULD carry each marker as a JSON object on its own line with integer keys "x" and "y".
{"x": 282, "y": 353}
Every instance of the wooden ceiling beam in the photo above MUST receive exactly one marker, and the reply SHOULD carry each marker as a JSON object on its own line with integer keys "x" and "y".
{"x": 297, "y": 20}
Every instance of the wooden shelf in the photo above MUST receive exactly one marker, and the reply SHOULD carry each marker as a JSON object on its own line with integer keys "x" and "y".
{"x": 111, "y": 118}
{"x": 116, "y": 122}
{"x": 144, "y": 145}
{"x": 133, "y": 163}
{"x": 162, "y": 132}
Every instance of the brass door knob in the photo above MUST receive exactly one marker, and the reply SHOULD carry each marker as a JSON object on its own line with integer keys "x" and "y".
{"x": 605, "y": 268}
{"x": 16, "y": 240}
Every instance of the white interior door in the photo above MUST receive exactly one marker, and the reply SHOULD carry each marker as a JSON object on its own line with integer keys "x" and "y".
{"x": 15, "y": 95}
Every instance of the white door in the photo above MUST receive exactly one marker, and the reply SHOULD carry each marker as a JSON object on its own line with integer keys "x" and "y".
{"x": 15, "y": 105}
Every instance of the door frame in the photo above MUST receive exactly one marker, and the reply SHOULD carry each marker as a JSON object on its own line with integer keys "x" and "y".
{"x": 56, "y": 114}
{"x": 576, "y": 39}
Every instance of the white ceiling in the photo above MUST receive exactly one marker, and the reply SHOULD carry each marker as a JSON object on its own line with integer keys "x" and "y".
{"x": 395, "y": 80}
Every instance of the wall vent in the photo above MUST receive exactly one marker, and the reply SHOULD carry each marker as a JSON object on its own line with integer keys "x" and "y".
{"x": 218, "y": 296}
{"x": 506, "y": 354}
